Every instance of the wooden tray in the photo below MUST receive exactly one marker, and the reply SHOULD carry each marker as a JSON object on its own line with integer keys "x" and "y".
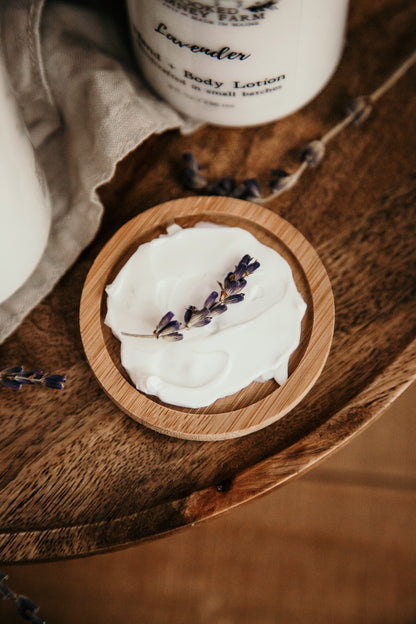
{"x": 258, "y": 405}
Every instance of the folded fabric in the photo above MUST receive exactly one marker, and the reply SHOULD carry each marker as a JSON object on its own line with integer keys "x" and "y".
{"x": 85, "y": 108}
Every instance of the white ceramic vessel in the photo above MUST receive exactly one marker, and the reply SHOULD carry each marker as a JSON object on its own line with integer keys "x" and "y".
{"x": 238, "y": 62}
{"x": 25, "y": 213}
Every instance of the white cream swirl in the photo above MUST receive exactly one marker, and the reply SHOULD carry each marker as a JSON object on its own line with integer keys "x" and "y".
{"x": 253, "y": 340}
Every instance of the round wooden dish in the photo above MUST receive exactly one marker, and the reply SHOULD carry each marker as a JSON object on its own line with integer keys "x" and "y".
{"x": 258, "y": 405}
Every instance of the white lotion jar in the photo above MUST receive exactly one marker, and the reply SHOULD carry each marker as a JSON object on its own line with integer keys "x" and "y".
{"x": 238, "y": 62}
{"x": 25, "y": 213}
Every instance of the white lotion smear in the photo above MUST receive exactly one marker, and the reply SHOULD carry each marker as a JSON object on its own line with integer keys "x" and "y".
{"x": 252, "y": 340}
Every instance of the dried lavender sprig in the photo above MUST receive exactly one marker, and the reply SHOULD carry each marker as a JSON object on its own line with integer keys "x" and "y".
{"x": 311, "y": 155}
{"x": 25, "y": 607}
{"x": 357, "y": 112}
{"x": 169, "y": 328}
{"x": 16, "y": 377}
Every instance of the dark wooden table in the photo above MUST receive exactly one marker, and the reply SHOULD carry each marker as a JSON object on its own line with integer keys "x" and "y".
{"x": 77, "y": 475}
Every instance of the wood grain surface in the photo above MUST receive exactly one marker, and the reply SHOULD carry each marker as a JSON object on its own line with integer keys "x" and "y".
{"x": 259, "y": 404}
{"x": 79, "y": 476}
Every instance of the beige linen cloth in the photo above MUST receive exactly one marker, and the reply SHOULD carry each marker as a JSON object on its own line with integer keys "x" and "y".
{"x": 85, "y": 108}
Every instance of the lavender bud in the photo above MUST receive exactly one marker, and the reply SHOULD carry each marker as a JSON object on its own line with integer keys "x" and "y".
{"x": 249, "y": 189}
{"x": 243, "y": 262}
{"x": 252, "y": 267}
{"x": 163, "y": 322}
{"x": 188, "y": 314}
{"x": 170, "y": 328}
{"x": 313, "y": 153}
{"x": 234, "y": 298}
{"x": 240, "y": 269}
{"x": 233, "y": 286}
{"x": 360, "y": 108}
{"x": 10, "y": 383}
{"x": 25, "y": 606}
{"x": 217, "y": 309}
{"x": 223, "y": 187}
{"x": 201, "y": 322}
{"x": 4, "y": 590}
{"x": 281, "y": 180}
{"x": 196, "y": 318}
{"x": 253, "y": 187}
{"x": 13, "y": 371}
{"x": 192, "y": 177}
{"x": 55, "y": 381}
{"x": 173, "y": 337}
{"x": 210, "y": 300}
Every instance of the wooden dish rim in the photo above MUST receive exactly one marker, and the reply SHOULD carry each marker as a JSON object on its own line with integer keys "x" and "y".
{"x": 196, "y": 424}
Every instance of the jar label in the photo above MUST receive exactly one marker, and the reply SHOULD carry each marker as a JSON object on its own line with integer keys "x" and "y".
{"x": 236, "y": 62}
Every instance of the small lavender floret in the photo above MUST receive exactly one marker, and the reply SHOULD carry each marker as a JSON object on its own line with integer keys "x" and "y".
{"x": 253, "y": 187}
{"x": 360, "y": 108}
{"x": 313, "y": 153}
{"x": 241, "y": 268}
{"x": 223, "y": 187}
{"x": 205, "y": 320}
{"x": 217, "y": 309}
{"x": 248, "y": 189}
{"x": 4, "y": 590}
{"x": 210, "y": 300}
{"x": 166, "y": 318}
{"x": 188, "y": 314}
{"x": 214, "y": 307}
{"x": 169, "y": 328}
{"x": 245, "y": 267}
{"x": 280, "y": 180}
{"x": 192, "y": 177}
{"x": 174, "y": 337}
{"x": 11, "y": 383}
{"x": 253, "y": 266}
{"x": 196, "y": 318}
{"x": 25, "y": 606}
{"x": 55, "y": 381}
{"x": 234, "y": 298}
{"x": 13, "y": 371}
{"x": 234, "y": 285}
